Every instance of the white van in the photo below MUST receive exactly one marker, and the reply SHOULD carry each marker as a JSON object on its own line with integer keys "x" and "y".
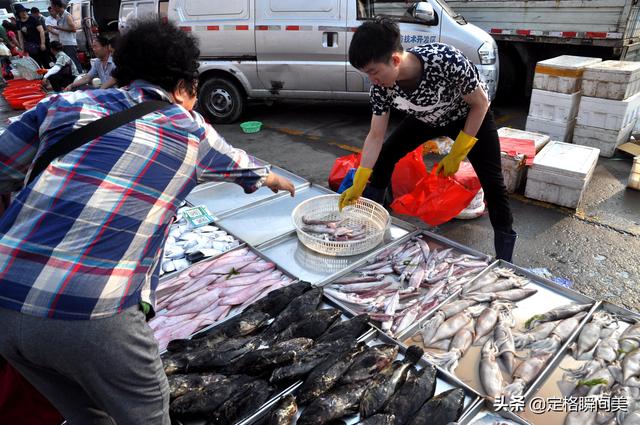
{"x": 298, "y": 49}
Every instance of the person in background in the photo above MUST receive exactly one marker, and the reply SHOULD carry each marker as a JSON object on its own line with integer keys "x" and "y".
{"x": 63, "y": 72}
{"x": 13, "y": 45}
{"x": 35, "y": 12}
{"x": 31, "y": 36}
{"x": 80, "y": 247}
{"x": 66, "y": 28}
{"x": 50, "y": 23}
{"x": 101, "y": 67}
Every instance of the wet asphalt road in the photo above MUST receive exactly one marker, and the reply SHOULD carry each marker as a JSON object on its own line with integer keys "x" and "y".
{"x": 596, "y": 247}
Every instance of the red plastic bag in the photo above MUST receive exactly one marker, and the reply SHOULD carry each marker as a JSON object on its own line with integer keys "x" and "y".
{"x": 340, "y": 169}
{"x": 436, "y": 199}
{"x": 407, "y": 173}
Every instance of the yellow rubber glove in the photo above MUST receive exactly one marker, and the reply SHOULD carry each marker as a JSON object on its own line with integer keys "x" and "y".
{"x": 360, "y": 180}
{"x": 459, "y": 151}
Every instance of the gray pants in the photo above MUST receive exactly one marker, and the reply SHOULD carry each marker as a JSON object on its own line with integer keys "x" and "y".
{"x": 72, "y": 52}
{"x": 102, "y": 371}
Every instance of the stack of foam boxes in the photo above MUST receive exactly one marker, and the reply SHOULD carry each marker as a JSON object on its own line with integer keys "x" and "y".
{"x": 556, "y": 96}
{"x": 609, "y": 106}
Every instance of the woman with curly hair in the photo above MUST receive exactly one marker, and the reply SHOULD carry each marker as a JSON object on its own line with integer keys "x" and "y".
{"x": 80, "y": 246}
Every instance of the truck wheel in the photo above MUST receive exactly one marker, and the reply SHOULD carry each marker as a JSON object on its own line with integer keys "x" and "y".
{"x": 220, "y": 100}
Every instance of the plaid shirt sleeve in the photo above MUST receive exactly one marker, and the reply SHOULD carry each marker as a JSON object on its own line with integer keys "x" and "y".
{"x": 18, "y": 146}
{"x": 219, "y": 161}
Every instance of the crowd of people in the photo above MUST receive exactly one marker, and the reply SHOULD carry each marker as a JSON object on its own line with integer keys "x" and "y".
{"x": 51, "y": 41}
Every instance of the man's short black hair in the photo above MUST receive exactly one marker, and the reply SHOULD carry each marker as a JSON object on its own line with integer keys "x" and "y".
{"x": 103, "y": 41}
{"x": 159, "y": 53}
{"x": 374, "y": 41}
{"x": 58, "y": 3}
{"x": 55, "y": 45}
{"x": 35, "y": 10}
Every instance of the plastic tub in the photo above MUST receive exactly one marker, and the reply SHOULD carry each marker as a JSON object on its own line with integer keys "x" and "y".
{"x": 18, "y": 102}
{"x": 251, "y": 126}
{"x": 31, "y": 104}
{"x": 21, "y": 91}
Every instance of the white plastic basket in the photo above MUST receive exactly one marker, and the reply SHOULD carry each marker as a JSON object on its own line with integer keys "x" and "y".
{"x": 365, "y": 212}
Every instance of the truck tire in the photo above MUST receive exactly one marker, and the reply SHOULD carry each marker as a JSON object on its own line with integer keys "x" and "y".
{"x": 221, "y": 100}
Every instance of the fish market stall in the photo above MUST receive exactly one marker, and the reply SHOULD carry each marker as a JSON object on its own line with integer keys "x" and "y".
{"x": 378, "y": 382}
{"x": 602, "y": 365}
{"x": 210, "y": 291}
{"x": 503, "y": 331}
{"x": 273, "y": 343}
{"x": 406, "y": 280}
{"x": 246, "y": 343}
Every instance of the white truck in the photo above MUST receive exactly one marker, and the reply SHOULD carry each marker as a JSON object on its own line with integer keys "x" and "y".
{"x": 531, "y": 31}
{"x": 297, "y": 49}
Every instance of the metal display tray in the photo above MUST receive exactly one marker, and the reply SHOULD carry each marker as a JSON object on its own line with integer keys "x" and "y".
{"x": 433, "y": 239}
{"x": 223, "y": 198}
{"x": 547, "y": 386}
{"x": 549, "y": 296}
{"x": 484, "y": 416}
{"x": 267, "y": 220}
{"x": 444, "y": 382}
{"x": 283, "y": 390}
{"x": 291, "y": 255}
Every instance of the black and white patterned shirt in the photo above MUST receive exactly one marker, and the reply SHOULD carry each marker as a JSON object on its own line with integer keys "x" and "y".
{"x": 447, "y": 76}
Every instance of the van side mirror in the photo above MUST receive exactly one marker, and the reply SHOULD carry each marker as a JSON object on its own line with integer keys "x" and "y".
{"x": 423, "y": 12}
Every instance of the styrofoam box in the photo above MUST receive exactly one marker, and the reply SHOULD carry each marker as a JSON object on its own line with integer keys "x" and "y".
{"x": 634, "y": 176}
{"x": 553, "y": 106}
{"x": 539, "y": 139}
{"x": 513, "y": 169}
{"x": 608, "y": 114}
{"x": 560, "y": 173}
{"x": 605, "y": 140}
{"x": 562, "y": 131}
{"x": 549, "y": 73}
{"x": 616, "y": 80}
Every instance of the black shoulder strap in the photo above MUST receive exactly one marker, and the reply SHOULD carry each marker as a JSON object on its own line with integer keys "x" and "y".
{"x": 92, "y": 131}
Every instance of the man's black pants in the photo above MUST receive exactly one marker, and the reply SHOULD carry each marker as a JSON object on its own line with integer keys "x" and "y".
{"x": 59, "y": 81}
{"x": 485, "y": 158}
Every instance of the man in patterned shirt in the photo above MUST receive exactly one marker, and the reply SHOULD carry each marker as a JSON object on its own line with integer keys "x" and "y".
{"x": 80, "y": 245}
{"x": 442, "y": 94}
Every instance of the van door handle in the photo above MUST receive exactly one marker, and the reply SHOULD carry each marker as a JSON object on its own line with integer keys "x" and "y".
{"x": 330, "y": 39}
